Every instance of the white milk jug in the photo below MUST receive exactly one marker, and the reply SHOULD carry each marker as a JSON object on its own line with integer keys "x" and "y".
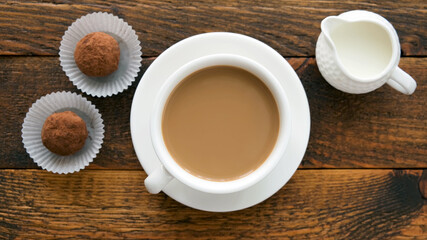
{"x": 359, "y": 51}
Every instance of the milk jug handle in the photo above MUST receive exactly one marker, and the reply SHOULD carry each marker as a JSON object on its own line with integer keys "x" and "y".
{"x": 157, "y": 180}
{"x": 402, "y": 82}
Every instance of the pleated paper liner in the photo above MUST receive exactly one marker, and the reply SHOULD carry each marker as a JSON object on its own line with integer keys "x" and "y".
{"x": 130, "y": 54}
{"x": 60, "y": 102}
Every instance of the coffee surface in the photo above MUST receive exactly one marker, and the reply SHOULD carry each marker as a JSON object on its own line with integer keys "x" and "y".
{"x": 220, "y": 123}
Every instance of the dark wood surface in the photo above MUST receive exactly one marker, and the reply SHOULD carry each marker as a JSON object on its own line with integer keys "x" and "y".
{"x": 291, "y": 27}
{"x": 364, "y": 175}
{"x": 316, "y": 204}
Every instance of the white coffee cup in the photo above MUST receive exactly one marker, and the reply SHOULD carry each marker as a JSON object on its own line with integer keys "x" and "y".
{"x": 170, "y": 169}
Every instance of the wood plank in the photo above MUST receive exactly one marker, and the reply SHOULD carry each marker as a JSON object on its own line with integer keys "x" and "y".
{"x": 291, "y": 27}
{"x": 46, "y": 76}
{"x": 315, "y": 204}
{"x": 382, "y": 129}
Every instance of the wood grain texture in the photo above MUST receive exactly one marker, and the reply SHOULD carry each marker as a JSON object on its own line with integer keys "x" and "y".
{"x": 382, "y": 129}
{"x": 315, "y": 204}
{"x": 107, "y": 200}
{"x": 291, "y": 27}
{"x": 26, "y": 79}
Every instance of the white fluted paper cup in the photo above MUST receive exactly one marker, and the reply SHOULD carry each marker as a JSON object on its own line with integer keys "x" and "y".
{"x": 130, "y": 54}
{"x": 54, "y": 103}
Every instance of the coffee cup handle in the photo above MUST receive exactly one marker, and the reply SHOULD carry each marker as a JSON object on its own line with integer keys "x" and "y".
{"x": 157, "y": 180}
{"x": 402, "y": 82}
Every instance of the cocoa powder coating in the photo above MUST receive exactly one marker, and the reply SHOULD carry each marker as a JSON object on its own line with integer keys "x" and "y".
{"x": 97, "y": 54}
{"x": 64, "y": 133}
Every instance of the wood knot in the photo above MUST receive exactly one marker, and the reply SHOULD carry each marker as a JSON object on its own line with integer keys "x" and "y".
{"x": 423, "y": 184}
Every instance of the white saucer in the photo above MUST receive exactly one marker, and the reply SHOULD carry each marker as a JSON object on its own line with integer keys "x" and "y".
{"x": 214, "y": 43}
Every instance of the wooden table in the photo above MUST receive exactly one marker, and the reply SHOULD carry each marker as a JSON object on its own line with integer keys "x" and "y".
{"x": 364, "y": 175}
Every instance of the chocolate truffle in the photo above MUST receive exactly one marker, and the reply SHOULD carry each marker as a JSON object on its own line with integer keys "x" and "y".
{"x": 97, "y": 54}
{"x": 64, "y": 133}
